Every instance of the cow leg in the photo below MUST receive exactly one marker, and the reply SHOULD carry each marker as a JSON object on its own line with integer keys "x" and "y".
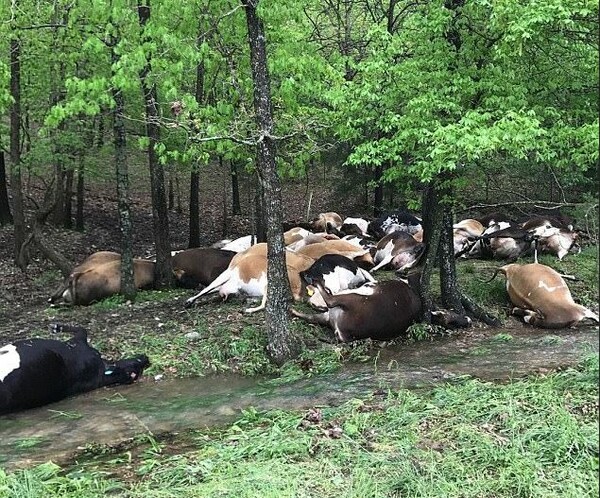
{"x": 316, "y": 318}
{"x": 530, "y": 317}
{"x": 260, "y": 307}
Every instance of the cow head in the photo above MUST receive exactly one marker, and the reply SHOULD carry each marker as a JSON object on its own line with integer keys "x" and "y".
{"x": 125, "y": 371}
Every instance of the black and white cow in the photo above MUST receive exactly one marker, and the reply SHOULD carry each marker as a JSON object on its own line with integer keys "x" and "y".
{"x": 336, "y": 273}
{"x": 399, "y": 220}
{"x": 35, "y": 372}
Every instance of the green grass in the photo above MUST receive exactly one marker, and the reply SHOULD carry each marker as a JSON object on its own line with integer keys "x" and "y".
{"x": 533, "y": 437}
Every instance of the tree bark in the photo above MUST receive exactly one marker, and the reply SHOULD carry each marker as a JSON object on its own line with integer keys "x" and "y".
{"x": 68, "y": 217}
{"x": 432, "y": 221}
{"x": 235, "y": 188}
{"x": 163, "y": 271}
{"x": 194, "y": 226}
{"x": 378, "y": 193}
{"x": 5, "y": 214}
{"x": 79, "y": 225}
{"x": 128, "y": 289}
{"x": 281, "y": 344}
{"x": 21, "y": 257}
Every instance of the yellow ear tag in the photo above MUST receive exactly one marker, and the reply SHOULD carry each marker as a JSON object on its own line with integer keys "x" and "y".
{"x": 310, "y": 291}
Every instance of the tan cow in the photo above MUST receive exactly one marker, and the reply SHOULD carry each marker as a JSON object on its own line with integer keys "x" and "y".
{"x": 541, "y": 296}
{"x": 104, "y": 280}
{"x": 95, "y": 259}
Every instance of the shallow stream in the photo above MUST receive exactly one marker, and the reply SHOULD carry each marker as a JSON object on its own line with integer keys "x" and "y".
{"x": 113, "y": 415}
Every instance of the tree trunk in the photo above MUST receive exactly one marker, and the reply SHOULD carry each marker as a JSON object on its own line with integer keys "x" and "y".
{"x": 281, "y": 344}
{"x": 260, "y": 218}
{"x": 163, "y": 272}
{"x": 125, "y": 223}
{"x": 79, "y": 225}
{"x": 194, "y": 227}
{"x": 68, "y": 217}
{"x": 5, "y": 214}
{"x": 58, "y": 215}
{"x": 235, "y": 188}
{"x": 378, "y": 193}
{"x": 432, "y": 222}
{"x": 171, "y": 204}
{"x": 21, "y": 257}
{"x": 451, "y": 298}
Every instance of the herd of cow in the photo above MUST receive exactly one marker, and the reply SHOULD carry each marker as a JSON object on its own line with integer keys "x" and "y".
{"x": 331, "y": 263}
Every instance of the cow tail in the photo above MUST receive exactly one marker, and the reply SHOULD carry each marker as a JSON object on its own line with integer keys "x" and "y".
{"x": 498, "y": 270}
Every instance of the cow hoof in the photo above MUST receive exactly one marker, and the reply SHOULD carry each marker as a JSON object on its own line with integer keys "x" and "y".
{"x": 188, "y": 304}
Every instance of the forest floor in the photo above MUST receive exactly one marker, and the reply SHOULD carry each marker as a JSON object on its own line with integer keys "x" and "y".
{"x": 158, "y": 319}
{"x": 115, "y": 326}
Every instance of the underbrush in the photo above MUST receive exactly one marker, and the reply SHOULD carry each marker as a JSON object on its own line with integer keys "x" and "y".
{"x": 533, "y": 437}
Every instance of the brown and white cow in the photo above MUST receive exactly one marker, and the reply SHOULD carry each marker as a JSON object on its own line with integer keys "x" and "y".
{"x": 465, "y": 233}
{"x": 104, "y": 280}
{"x": 560, "y": 244}
{"x": 552, "y": 235}
{"x": 200, "y": 265}
{"x": 541, "y": 296}
{"x": 247, "y": 274}
{"x": 398, "y": 249}
{"x": 360, "y": 255}
{"x": 311, "y": 238}
{"x": 502, "y": 240}
{"x": 379, "y": 311}
{"x": 323, "y": 220}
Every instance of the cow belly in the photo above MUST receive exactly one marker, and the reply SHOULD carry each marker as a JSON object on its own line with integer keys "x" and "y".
{"x": 253, "y": 287}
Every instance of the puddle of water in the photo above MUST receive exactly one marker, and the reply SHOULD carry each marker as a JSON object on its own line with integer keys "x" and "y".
{"x": 114, "y": 415}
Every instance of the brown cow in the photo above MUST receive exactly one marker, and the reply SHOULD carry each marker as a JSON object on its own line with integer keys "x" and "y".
{"x": 381, "y": 311}
{"x": 541, "y": 296}
{"x": 95, "y": 259}
{"x": 200, "y": 265}
{"x": 104, "y": 280}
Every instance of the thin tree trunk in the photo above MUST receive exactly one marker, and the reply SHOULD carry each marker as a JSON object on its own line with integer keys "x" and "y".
{"x": 68, "y": 216}
{"x": 163, "y": 272}
{"x": 171, "y": 203}
{"x": 235, "y": 188}
{"x": 281, "y": 344}
{"x": 194, "y": 227}
{"x": 5, "y": 214}
{"x": 79, "y": 225}
{"x": 125, "y": 223}
{"x": 58, "y": 215}
{"x": 378, "y": 193}
{"x": 21, "y": 258}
